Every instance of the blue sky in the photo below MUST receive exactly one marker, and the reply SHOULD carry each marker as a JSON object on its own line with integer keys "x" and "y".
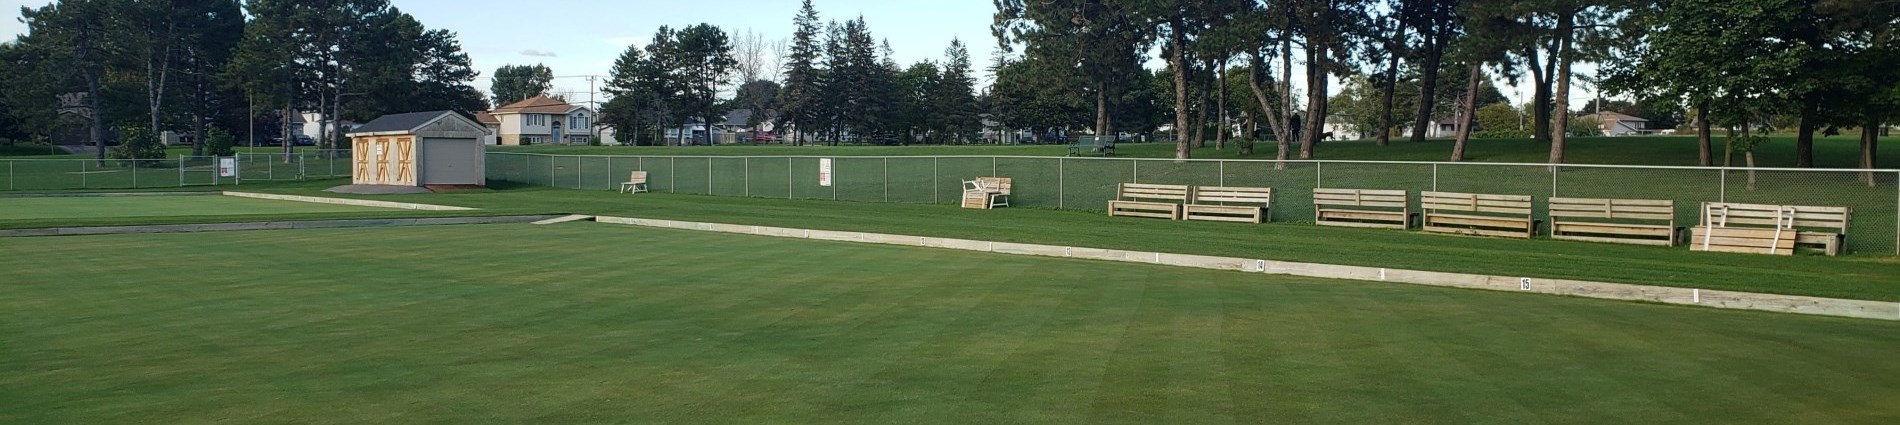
{"x": 582, "y": 37}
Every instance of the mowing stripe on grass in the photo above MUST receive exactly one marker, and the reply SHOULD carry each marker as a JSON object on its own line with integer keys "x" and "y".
{"x": 273, "y": 225}
{"x": 1603, "y": 290}
{"x": 344, "y": 201}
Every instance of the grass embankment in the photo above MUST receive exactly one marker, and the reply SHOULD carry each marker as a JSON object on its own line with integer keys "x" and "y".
{"x": 1829, "y": 152}
{"x": 1859, "y": 277}
{"x": 586, "y": 323}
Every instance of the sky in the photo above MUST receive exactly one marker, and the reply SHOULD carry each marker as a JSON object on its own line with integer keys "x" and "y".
{"x": 579, "y": 38}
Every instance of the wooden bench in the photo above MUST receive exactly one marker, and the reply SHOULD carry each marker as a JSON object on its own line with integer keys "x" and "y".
{"x": 986, "y": 192}
{"x": 1149, "y": 200}
{"x": 1628, "y": 221}
{"x": 1769, "y": 229}
{"x": 1388, "y": 209}
{"x": 1105, "y": 147}
{"x": 1478, "y": 214}
{"x": 1214, "y": 203}
{"x": 636, "y": 183}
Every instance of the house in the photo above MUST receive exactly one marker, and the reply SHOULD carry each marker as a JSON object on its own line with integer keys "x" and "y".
{"x": 542, "y": 119}
{"x": 1618, "y": 124}
{"x": 1341, "y": 128}
{"x": 488, "y": 120}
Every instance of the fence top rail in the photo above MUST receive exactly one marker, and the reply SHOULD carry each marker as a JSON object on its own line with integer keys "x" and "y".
{"x": 1216, "y": 160}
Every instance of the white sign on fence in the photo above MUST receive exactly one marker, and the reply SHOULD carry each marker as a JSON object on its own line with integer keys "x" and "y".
{"x": 824, "y": 172}
{"x": 227, "y": 167}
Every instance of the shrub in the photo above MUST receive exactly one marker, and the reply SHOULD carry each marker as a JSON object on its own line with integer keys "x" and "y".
{"x": 220, "y": 143}
{"x": 593, "y": 141}
{"x": 138, "y": 147}
{"x": 1508, "y": 133}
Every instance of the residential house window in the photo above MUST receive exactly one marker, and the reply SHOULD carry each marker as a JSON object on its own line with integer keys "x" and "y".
{"x": 530, "y": 140}
{"x": 577, "y": 122}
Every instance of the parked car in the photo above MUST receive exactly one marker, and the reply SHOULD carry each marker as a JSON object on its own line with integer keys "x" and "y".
{"x": 764, "y": 137}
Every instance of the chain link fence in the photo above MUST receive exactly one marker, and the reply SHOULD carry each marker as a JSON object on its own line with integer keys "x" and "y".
{"x": 1089, "y": 183}
{"x": 41, "y": 174}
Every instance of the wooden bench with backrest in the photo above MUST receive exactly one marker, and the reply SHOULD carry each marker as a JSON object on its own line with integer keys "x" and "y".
{"x": 1362, "y": 208}
{"x": 636, "y": 183}
{"x": 986, "y": 192}
{"x": 1149, "y": 200}
{"x": 1628, "y": 221}
{"x": 1769, "y": 229}
{"x": 1478, "y": 214}
{"x": 1235, "y": 204}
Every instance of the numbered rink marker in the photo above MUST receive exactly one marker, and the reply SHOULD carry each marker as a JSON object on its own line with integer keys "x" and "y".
{"x": 1524, "y": 283}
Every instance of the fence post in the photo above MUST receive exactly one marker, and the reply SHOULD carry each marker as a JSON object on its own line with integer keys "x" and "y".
{"x": 181, "y": 171}
{"x": 1316, "y": 175}
{"x": 834, "y": 177}
{"x": 887, "y": 179}
{"x": 709, "y": 175}
{"x": 935, "y": 187}
{"x": 992, "y": 166}
{"x": 746, "y": 175}
{"x": 610, "y": 172}
{"x": 672, "y": 175}
{"x": 1721, "y": 194}
{"x": 135, "y": 176}
{"x": 1060, "y": 181}
{"x": 1221, "y": 172}
{"x": 789, "y": 177}
{"x": 1434, "y": 177}
{"x": 11, "y": 183}
{"x": 82, "y": 173}
{"x": 1553, "y": 180}
{"x": 1137, "y": 167}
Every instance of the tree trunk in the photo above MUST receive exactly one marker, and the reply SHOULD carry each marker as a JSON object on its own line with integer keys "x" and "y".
{"x": 1220, "y": 103}
{"x": 1200, "y": 112}
{"x": 1540, "y": 95}
{"x": 98, "y": 131}
{"x": 1315, "y": 99}
{"x": 1101, "y": 109}
{"x": 1286, "y": 90}
{"x": 1427, "y": 88}
{"x": 1869, "y": 144}
{"x": 1466, "y": 110}
{"x": 1181, "y": 147}
{"x": 1391, "y": 87}
{"x": 1560, "y": 105}
{"x": 1804, "y": 140}
{"x": 1267, "y": 109}
{"x": 1704, "y": 146}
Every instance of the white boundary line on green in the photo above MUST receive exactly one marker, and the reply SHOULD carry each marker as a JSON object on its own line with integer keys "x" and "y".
{"x": 347, "y": 201}
{"x": 1836, "y": 307}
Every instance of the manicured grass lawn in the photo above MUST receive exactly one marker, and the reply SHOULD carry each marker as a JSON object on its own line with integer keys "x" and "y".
{"x": 1875, "y": 277}
{"x": 42, "y": 208}
{"x": 590, "y": 323}
{"x": 1830, "y": 152}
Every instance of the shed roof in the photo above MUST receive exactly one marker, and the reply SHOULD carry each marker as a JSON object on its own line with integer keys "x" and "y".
{"x": 406, "y": 123}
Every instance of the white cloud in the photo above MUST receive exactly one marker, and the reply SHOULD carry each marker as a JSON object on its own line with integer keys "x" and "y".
{"x": 537, "y": 53}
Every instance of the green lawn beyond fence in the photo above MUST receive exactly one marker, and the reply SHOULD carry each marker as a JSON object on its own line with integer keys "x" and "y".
{"x": 43, "y": 174}
{"x": 1089, "y": 183}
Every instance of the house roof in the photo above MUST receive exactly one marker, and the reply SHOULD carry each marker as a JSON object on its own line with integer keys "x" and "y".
{"x": 536, "y": 105}
{"x": 404, "y": 123}
{"x": 486, "y": 118}
{"x": 1609, "y": 116}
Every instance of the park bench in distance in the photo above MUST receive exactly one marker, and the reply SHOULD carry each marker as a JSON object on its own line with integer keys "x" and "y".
{"x": 1102, "y": 146}
{"x": 1213, "y": 203}
{"x": 636, "y": 183}
{"x": 1149, "y": 200}
{"x": 1388, "y": 209}
{"x": 1769, "y": 229}
{"x": 1478, "y": 214}
{"x": 1627, "y": 221}
{"x": 986, "y": 192}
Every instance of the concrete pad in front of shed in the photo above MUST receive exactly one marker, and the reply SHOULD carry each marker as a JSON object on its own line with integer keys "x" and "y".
{"x": 377, "y": 189}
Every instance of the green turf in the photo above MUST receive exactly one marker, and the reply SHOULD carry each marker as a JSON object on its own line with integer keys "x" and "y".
{"x": 44, "y": 208}
{"x": 592, "y": 323}
{"x": 1830, "y": 152}
{"x": 1875, "y": 277}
